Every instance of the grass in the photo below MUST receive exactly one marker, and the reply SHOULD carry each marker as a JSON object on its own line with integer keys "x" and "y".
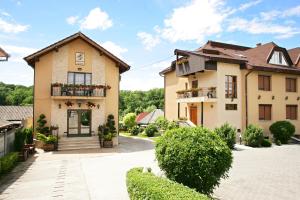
{"x": 140, "y": 135}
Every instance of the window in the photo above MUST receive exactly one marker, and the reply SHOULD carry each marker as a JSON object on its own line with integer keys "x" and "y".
{"x": 195, "y": 86}
{"x": 278, "y": 58}
{"x": 292, "y": 112}
{"x": 230, "y": 87}
{"x": 265, "y": 112}
{"x": 230, "y": 106}
{"x": 264, "y": 82}
{"x": 291, "y": 84}
{"x": 79, "y": 78}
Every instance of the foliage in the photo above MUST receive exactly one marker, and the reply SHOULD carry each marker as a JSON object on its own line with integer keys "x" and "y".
{"x": 41, "y": 137}
{"x": 41, "y": 128}
{"x": 139, "y": 101}
{"x": 135, "y": 130}
{"x": 15, "y": 94}
{"x": 227, "y": 133}
{"x": 150, "y": 130}
{"x": 149, "y": 109}
{"x": 50, "y": 139}
{"x": 129, "y": 120}
{"x": 110, "y": 124}
{"x": 196, "y": 157}
{"x": 282, "y": 131}
{"x": 162, "y": 123}
{"x": 8, "y": 162}
{"x": 172, "y": 125}
{"x": 108, "y": 137}
{"x": 19, "y": 139}
{"x": 142, "y": 186}
{"x": 29, "y": 135}
{"x": 253, "y": 136}
{"x": 277, "y": 142}
{"x": 266, "y": 143}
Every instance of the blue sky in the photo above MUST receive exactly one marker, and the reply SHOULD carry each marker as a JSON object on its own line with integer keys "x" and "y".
{"x": 143, "y": 33}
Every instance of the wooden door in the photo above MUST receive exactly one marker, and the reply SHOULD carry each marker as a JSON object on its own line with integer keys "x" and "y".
{"x": 193, "y": 115}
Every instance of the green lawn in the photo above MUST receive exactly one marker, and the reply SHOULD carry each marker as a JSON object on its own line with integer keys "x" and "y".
{"x": 141, "y": 135}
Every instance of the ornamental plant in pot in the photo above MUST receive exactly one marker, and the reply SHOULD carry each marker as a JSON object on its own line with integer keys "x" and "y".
{"x": 107, "y": 140}
{"x": 50, "y": 143}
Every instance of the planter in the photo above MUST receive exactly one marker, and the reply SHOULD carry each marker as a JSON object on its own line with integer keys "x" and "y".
{"x": 48, "y": 147}
{"x": 107, "y": 144}
{"x": 39, "y": 144}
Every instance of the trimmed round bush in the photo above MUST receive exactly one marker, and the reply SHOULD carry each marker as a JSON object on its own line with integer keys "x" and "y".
{"x": 145, "y": 185}
{"x": 129, "y": 120}
{"x": 253, "y": 136}
{"x": 135, "y": 130}
{"x": 150, "y": 130}
{"x": 162, "y": 123}
{"x": 196, "y": 157}
{"x": 266, "y": 143}
{"x": 282, "y": 131}
{"x": 228, "y": 134}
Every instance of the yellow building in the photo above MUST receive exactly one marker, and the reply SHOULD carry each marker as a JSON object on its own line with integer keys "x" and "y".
{"x": 221, "y": 82}
{"x": 76, "y": 85}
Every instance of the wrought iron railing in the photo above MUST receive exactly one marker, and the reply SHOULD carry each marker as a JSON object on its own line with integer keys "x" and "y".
{"x": 78, "y": 90}
{"x": 210, "y": 92}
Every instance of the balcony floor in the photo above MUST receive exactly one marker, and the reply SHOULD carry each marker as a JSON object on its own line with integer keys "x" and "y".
{"x": 76, "y": 97}
{"x": 196, "y": 100}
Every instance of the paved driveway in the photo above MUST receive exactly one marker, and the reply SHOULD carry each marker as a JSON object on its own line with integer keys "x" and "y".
{"x": 265, "y": 173}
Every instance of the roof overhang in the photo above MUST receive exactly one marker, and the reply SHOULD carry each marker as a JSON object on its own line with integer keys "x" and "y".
{"x": 31, "y": 59}
{"x": 279, "y": 69}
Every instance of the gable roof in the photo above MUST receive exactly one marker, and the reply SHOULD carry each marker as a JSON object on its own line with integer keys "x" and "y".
{"x": 31, "y": 59}
{"x": 3, "y": 54}
{"x": 151, "y": 117}
{"x": 15, "y": 113}
{"x": 141, "y": 116}
{"x": 295, "y": 55}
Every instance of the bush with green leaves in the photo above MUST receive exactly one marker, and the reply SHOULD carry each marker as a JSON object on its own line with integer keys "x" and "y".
{"x": 253, "y": 136}
{"x": 129, "y": 120}
{"x": 41, "y": 125}
{"x": 19, "y": 139}
{"x": 266, "y": 143}
{"x": 110, "y": 124}
{"x": 29, "y": 135}
{"x": 50, "y": 139}
{"x": 108, "y": 137}
{"x": 194, "y": 156}
{"x": 172, "y": 125}
{"x": 145, "y": 185}
{"x": 135, "y": 130}
{"x": 8, "y": 162}
{"x": 227, "y": 133}
{"x": 282, "y": 131}
{"x": 162, "y": 123}
{"x": 151, "y": 130}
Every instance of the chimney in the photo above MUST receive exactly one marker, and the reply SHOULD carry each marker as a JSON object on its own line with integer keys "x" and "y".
{"x": 258, "y": 44}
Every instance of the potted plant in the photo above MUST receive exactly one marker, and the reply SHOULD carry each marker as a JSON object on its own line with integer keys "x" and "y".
{"x": 50, "y": 143}
{"x": 107, "y": 140}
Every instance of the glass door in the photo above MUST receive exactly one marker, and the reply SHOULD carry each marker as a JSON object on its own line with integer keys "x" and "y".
{"x": 79, "y": 123}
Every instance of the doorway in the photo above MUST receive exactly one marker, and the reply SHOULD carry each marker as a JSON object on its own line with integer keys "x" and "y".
{"x": 79, "y": 123}
{"x": 193, "y": 114}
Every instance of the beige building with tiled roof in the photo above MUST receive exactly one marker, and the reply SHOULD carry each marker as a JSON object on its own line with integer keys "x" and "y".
{"x": 221, "y": 82}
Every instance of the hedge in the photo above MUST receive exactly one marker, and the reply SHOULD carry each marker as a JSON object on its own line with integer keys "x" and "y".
{"x": 282, "y": 131}
{"x": 8, "y": 162}
{"x": 145, "y": 185}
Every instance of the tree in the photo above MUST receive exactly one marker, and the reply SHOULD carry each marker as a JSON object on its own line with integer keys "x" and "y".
{"x": 129, "y": 120}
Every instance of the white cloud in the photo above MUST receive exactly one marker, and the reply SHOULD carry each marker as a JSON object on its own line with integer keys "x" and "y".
{"x": 248, "y": 5}
{"x": 72, "y": 20}
{"x": 96, "y": 19}
{"x": 12, "y": 27}
{"x": 195, "y": 21}
{"x": 6, "y": 14}
{"x": 148, "y": 40}
{"x": 114, "y": 48}
{"x": 274, "y": 14}
{"x": 17, "y": 53}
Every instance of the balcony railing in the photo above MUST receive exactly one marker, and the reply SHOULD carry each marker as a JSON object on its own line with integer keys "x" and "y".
{"x": 210, "y": 92}
{"x": 58, "y": 89}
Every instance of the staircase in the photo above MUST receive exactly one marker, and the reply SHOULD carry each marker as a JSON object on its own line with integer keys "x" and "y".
{"x": 78, "y": 143}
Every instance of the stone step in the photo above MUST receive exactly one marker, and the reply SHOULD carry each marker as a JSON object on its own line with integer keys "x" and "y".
{"x": 77, "y": 148}
{"x": 77, "y": 143}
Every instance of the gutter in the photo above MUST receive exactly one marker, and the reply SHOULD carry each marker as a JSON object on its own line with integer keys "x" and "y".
{"x": 246, "y": 94}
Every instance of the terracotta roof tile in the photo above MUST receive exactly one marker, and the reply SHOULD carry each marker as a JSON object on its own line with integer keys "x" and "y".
{"x": 295, "y": 55}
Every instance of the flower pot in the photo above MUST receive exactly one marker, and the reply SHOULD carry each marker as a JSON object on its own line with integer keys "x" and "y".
{"x": 39, "y": 144}
{"x": 107, "y": 144}
{"x": 48, "y": 147}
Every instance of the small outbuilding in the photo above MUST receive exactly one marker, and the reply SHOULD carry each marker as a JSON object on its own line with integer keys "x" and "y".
{"x": 151, "y": 117}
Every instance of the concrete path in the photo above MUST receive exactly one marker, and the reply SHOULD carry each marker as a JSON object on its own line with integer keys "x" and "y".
{"x": 78, "y": 174}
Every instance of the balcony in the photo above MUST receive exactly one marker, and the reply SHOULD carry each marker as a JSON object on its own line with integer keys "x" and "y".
{"x": 71, "y": 91}
{"x": 196, "y": 95}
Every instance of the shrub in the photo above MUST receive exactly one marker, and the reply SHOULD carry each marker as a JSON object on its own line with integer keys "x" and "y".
{"x": 51, "y": 139}
{"x": 195, "y": 157}
{"x": 228, "y": 134}
{"x": 142, "y": 186}
{"x": 266, "y": 143}
{"x": 110, "y": 124}
{"x": 129, "y": 120}
{"x": 151, "y": 130}
{"x": 253, "y": 136}
{"x": 41, "y": 137}
{"x": 172, "y": 125}
{"x": 162, "y": 123}
{"x": 108, "y": 137}
{"x": 29, "y": 135}
{"x": 282, "y": 131}
{"x": 8, "y": 162}
{"x": 19, "y": 139}
{"x": 135, "y": 130}
{"x": 277, "y": 142}
{"x": 41, "y": 128}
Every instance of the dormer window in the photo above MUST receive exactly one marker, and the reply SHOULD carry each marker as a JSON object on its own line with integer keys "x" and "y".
{"x": 278, "y": 58}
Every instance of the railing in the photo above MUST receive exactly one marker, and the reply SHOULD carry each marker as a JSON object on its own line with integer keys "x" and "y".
{"x": 210, "y": 92}
{"x": 78, "y": 90}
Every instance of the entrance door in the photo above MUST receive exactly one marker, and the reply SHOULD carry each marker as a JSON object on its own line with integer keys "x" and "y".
{"x": 193, "y": 115}
{"x": 79, "y": 123}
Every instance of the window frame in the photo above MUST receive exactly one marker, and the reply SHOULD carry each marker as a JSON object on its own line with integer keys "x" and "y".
{"x": 85, "y": 78}
{"x": 288, "y": 87}
{"x": 263, "y": 86}
{"x": 235, "y": 107}
{"x": 264, "y": 117}
{"x": 281, "y": 57}
{"x": 233, "y": 89}
{"x": 288, "y": 111}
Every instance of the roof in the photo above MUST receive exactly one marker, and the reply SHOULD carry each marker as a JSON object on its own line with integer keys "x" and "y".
{"x": 295, "y": 55}
{"x": 151, "y": 117}
{"x": 256, "y": 58}
{"x": 15, "y": 113}
{"x": 3, "y": 54}
{"x": 31, "y": 59}
{"x": 4, "y": 123}
{"x": 141, "y": 116}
